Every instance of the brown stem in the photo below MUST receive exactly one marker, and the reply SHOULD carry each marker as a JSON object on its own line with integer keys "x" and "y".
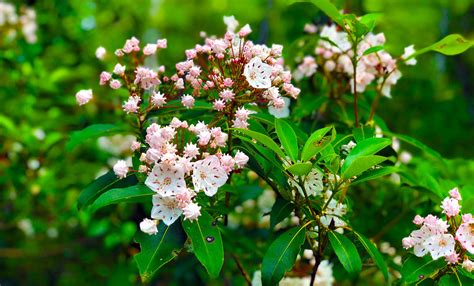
{"x": 242, "y": 270}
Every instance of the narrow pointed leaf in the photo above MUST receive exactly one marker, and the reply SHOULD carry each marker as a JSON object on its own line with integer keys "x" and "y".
{"x": 374, "y": 253}
{"x": 281, "y": 255}
{"x": 330, "y": 10}
{"x": 132, "y": 194}
{"x": 375, "y": 174}
{"x": 280, "y": 210}
{"x": 346, "y": 252}
{"x": 450, "y": 45}
{"x": 207, "y": 243}
{"x": 316, "y": 142}
{"x": 368, "y": 146}
{"x": 264, "y": 140}
{"x": 415, "y": 267}
{"x": 93, "y": 131}
{"x": 288, "y": 138}
{"x": 362, "y": 164}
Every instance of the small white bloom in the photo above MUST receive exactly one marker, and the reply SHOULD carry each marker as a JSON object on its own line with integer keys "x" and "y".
{"x": 281, "y": 112}
{"x": 192, "y": 211}
{"x": 121, "y": 169}
{"x": 241, "y": 159}
{"x": 158, "y": 99}
{"x": 119, "y": 69}
{"x": 166, "y": 180}
{"x": 440, "y": 245}
{"x": 410, "y": 50}
{"x": 83, "y": 96}
{"x": 313, "y": 183}
{"x": 100, "y": 53}
{"x": 258, "y": 73}
{"x": 231, "y": 23}
{"x": 165, "y": 208}
{"x": 148, "y": 226}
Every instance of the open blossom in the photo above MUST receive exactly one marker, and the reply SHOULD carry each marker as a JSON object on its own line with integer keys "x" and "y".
{"x": 313, "y": 183}
{"x": 83, "y": 96}
{"x": 166, "y": 180}
{"x": 121, "y": 169}
{"x": 465, "y": 235}
{"x": 258, "y": 73}
{"x": 100, "y": 53}
{"x": 148, "y": 226}
{"x": 440, "y": 245}
{"x": 209, "y": 175}
{"x": 166, "y": 208}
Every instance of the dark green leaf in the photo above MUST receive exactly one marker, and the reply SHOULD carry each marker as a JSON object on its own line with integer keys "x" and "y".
{"x": 414, "y": 142}
{"x": 207, "y": 243}
{"x": 361, "y": 164}
{"x": 288, "y": 138}
{"x": 132, "y": 194}
{"x": 158, "y": 249}
{"x": 375, "y": 174}
{"x": 103, "y": 184}
{"x": 416, "y": 267}
{"x": 93, "y": 131}
{"x": 264, "y": 140}
{"x": 330, "y": 10}
{"x": 281, "y": 255}
{"x": 365, "y": 147}
{"x": 346, "y": 252}
{"x": 280, "y": 210}
{"x": 374, "y": 253}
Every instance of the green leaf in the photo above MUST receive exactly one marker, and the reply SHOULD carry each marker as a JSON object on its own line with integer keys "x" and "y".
{"x": 365, "y": 147}
{"x": 316, "y": 142}
{"x": 415, "y": 267}
{"x": 454, "y": 280}
{"x": 373, "y": 49}
{"x": 280, "y": 210}
{"x": 414, "y": 142}
{"x": 158, "y": 249}
{"x": 300, "y": 169}
{"x": 103, "y": 184}
{"x": 207, "y": 243}
{"x": 362, "y": 164}
{"x": 450, "y": 45}
{"x": 132, "y": 194}
{"x": 93, "y": 131}
{"x": 346, "y": 252}
{"x": 375, "y": 174}
{"x": 264, "y": 140}
{"x": 288, "y": 138}
{"x": 281, "y": 255}
{"x": 370, "y": 20}
{"x": 330, "y": 10}
{"x": 374, "y": 253}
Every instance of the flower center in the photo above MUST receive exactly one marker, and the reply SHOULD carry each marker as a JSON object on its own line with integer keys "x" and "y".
{"x": 167, "y": 181}
{"x": 443, "y": 243}
{"x": 203, "y": 175}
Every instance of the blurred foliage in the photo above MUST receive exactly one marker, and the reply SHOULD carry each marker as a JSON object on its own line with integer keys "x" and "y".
{"x": 45, "y": 240}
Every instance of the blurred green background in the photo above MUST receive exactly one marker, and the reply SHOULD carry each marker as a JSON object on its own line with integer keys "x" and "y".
{"x": 44, "y": 240}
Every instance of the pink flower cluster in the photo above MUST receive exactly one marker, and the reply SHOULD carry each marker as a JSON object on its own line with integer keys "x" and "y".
{"x": 178, "y": 168}
{"x": 334, "y": 54}
{"x": 450, "y": 239}
{"x": 232, "y": 71}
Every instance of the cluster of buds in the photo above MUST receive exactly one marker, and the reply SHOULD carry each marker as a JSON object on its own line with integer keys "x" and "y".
{"x": 233, "y": 71}
{"x": 334, "y": 54}
{"x": 181, "y": 160}
{"x": 452, "y": 238}
{"x": 11, "y": 22}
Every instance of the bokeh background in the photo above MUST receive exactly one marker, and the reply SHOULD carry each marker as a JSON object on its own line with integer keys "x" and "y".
{"x": 45, "y": 240}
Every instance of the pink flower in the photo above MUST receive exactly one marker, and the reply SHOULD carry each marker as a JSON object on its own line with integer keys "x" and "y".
{"x": 190, "y": 54}
{"x": 408, "y": 242}
{"x": 228, "y": 82}
{"x": 162, "y": 44}
{"x": 119, "y": 70}
{"x": 468, "y": 264}
{"x": 277, "y": 50}
{"x": 231, "y": 23}
{"x": 450, "y": 207}
{"x": 149, "y": 49}
{"x": 465, "y": 236}
{"x": 131, "y": 45}
{"x": 454, "y": 193}
{"x": 115, "y": 84}
{"x": 192, "y": 211}
{"x": 418, "y": 220}
{"x": 227, "y": 94}
{"x": 452, "y": 258}
{"x": 158, "y": 99}
{"x": 83, "y": 96}
{"x": 131, "y": 105}
{"x": 242, "y": 113}
{"x": 245, "y": 30}
{"x": 104, "y": 77}
{"x": 191, "y": 150}
{"x": 209, "y": 175}
{"x": 184, "y": 198}
{"x": 187, "y": 101}
{"x": 121, "y": 169}
{"x": 238, "y": 123}
{"x": 219, "y": 104}
{"x": 153, "y": 155}
{"x": 146, "y": 78}
{"x": 135, "y": 146}
{"x": 240, "y": 159}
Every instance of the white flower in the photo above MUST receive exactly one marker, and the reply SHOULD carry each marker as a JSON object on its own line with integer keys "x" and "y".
{"x": 281, "y": 112}
{"x": 440, "y": 245}
{"x": 334, "y": 211}
{"x": 231, "y": 23}
{"x": 148, "y": 226}
{"x": 313, "y": 183}
{"x": 121, "y": 169}
{"x": 209, "y": 175}
{"x": 258, "y": 73}
{"x": 192, "y": 211}
{"x": 324, "y": 275}
{"x": 158, "y": 99}
{"x": 465, "y": 236}
{"x": 83, "y": 96}
{"x": 131, "y": 105}
{"x": 410, "y": 50}
{"x": 119, "y": 69}
{"x": 166, "y": 180}
{"x": 187, "y": 101}
{"x": 468, "y": 265}
{"x": 165, "y": 208}
{"x": 100, "y": 53}
{"x": 241, "y": 159}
